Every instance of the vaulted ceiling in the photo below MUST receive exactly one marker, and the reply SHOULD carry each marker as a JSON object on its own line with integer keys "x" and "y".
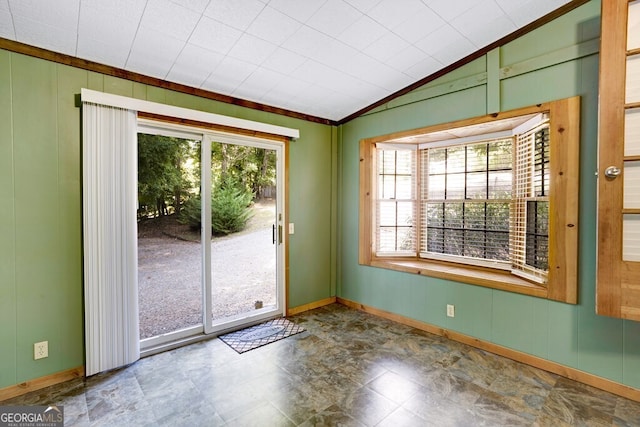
{"x": 323, "y": 58}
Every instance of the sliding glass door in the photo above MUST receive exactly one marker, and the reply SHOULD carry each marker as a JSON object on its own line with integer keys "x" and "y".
{"x": 210, "y": 243}
{"x": 247, "y": 250}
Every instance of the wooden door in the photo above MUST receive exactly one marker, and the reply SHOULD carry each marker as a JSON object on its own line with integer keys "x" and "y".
{"x": 618, "y": 269}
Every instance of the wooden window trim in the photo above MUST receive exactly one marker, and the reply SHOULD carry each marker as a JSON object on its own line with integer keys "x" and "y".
{"x": 563, "y": 210}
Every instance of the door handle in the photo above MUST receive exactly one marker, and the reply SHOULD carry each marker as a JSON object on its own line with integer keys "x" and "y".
{"x": 273, "y": 234}
{"x": 612, "y": 172}
{"x": 280, "y": 234}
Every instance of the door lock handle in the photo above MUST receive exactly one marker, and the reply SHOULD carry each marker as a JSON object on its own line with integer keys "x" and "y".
{"x": 612, "y": 172}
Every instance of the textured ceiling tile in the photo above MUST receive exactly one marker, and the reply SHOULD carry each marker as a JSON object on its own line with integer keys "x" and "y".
{"x": 43, "y": 35}
{"x": 446, "y": 45}
{"x": 334, "y": 53}
{"x": 362, "y": 33}
{"x": 6, "y": 23}
{"x": 424, "y": 68}
{"x": 214, "y": 35}
{"x": 194, "y": 65}
{"x": 315, "y": 72}
{"x": 386, "y": 47}
{"x": 235, "y": 13}
{"x": 61, "y": 14}
{"x": 390, "y": 14}
{"x": 252, "y": 49}
{"x": 288, "y": 93}
{"x": 284, "y": 60}
{"x": 419, "y": 25}
{"x": 297, "y": 9}
{"x": 258, "y": 84}
{"x": 307, "y": 41}
{"x": 355, "y": 88}
{"x": 524, "y": 12}
{"x": 334, "y": 17}
{"x": 406, "y": 58}
{"x": 273, "y": 26}
{"x": 448, "y": 9}
{"x": 228, "y": 75}
{"x": 375, "y": 72}
{"x": 103, "y": 52}
{"x": 363, "y": 6}
{"x": 388, "y": 78}
{"x": 147, "y": 59}
{"x": 483, "y": 23}
{"x": 196, "y": 5}
{"x": 169, "y": 18}
{"x": 130, "y": 10}
{"x": 97, "y": 40}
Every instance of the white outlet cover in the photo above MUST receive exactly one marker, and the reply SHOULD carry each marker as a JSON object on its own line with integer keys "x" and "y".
{"x": 41, "y": 350}
{"x": 451, "y": 310}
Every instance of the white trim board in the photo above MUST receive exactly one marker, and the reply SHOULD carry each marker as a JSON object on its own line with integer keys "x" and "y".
{"x": 88, "y": 95}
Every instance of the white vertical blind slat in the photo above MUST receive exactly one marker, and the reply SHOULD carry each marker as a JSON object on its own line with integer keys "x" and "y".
{"x": 110, "y": 246}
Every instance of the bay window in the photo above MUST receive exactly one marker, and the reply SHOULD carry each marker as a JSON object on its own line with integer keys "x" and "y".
{"x": 489, "y": 201}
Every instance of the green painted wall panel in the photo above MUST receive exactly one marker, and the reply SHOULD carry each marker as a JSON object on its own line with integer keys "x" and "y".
{"x": 8, "y": 325}
{"x": 631, "y": 353}
{"x": 563, "y": 334}
{"x": 69, "y": 348}
{"x": 577, "y": 26}
{"x": 310, "y": 210}
{"x": 39, "y": 298}
{"x": 557, "y": 82}
{"x": 118, "y": 86}
{"x": 513, "y": 321}
{"x": 540, "y": 332}
{"x": 95, "y": 81}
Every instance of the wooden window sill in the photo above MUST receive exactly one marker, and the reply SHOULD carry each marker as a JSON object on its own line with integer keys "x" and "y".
{"x": 496, "y": 279}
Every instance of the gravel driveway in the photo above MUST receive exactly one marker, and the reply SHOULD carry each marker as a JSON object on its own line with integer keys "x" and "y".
{"x": 169, "y": 271}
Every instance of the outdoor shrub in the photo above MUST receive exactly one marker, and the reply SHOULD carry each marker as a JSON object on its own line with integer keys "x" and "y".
{"x": 230, "y": 210}
{"x": 190, "y": 213}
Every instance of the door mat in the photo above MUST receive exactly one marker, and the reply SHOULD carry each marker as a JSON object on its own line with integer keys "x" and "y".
{"x": 262, "y": 334}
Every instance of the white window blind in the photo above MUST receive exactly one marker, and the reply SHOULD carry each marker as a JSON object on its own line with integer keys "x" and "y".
{"x": 395, "y": 201}
{"x": 466, "y": 191}
{"x": 530, "y": 205}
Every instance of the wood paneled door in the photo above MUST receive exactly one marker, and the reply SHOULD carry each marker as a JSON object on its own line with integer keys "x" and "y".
{"x": 618, "y": 275}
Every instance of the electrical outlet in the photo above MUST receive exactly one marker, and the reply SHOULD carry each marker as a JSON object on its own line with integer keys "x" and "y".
{"x": 451, "y": 310}
{"x": 41, "y": 350}
{"x": 292, "y": 229}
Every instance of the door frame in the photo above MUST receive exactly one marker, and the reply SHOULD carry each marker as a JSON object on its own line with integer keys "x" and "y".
{"x": 208, "y": 328}
{"x": 245, "y": 319}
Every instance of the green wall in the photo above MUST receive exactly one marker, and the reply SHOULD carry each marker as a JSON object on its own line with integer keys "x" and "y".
{"x": 41, "y": 213}
{"x": 556, "y": 61}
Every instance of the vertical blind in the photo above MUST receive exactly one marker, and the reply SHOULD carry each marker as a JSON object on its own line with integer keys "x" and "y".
{"x": 110, "y": 245}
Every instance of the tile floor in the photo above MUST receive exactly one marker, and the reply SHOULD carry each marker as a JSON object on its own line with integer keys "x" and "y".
{"x": 349, "y": 368}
